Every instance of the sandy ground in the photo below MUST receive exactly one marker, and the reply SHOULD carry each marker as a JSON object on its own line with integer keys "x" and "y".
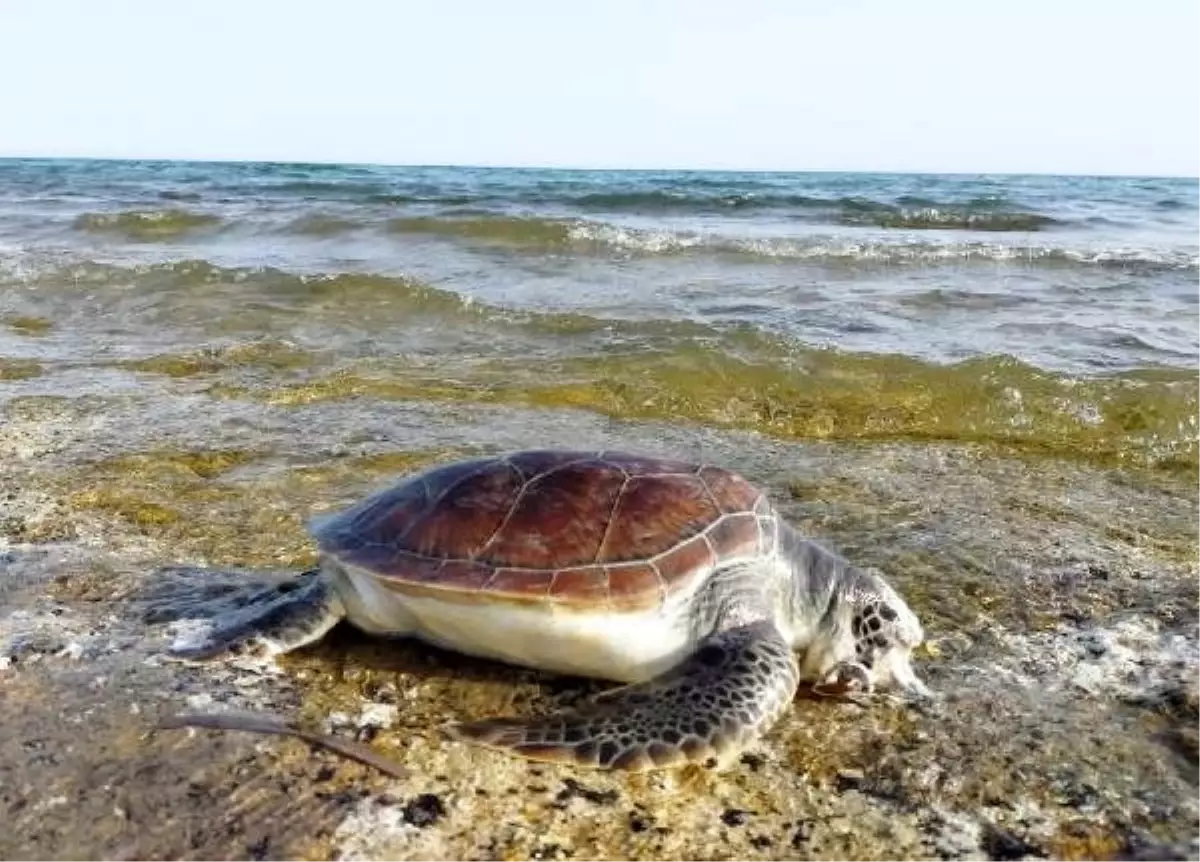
{"x": 1060, "y": 601}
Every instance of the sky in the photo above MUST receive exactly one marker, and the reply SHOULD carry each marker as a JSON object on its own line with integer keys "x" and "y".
{"x": 1040, "y": 86}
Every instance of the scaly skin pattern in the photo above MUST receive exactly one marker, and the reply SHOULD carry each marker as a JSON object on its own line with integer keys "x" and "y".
{"x": 705, "y": 711}
{"x": 737, "y": 684}
{"x": 265, "y": 622}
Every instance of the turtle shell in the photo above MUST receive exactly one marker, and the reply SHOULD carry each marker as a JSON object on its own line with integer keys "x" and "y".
{"x": 585, "y": 529}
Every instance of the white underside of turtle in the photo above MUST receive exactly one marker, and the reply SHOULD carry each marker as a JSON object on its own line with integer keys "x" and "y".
{"x": 627, "y": 647}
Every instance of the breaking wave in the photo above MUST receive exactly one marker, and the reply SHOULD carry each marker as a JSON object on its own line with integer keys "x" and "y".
{"x": 146, "y": 225}
{"x": 597, "y": 236}
{"x": 913, "y": 213}
{"x": 944, "y": 218}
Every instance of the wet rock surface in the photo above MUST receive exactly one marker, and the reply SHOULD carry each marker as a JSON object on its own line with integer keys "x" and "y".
{"x": 1060, "y": 601}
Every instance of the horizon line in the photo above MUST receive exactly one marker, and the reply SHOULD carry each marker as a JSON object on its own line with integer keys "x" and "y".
{"x": 587, "y": 168}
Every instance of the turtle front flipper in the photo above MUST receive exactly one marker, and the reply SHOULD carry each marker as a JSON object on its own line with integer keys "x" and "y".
{"x": 262, "y": 622}
{"x": 705, "y": 710}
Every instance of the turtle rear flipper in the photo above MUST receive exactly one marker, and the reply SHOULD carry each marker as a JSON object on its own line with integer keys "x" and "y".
{"x": 264, "y": 621}
{"x": 184, "y": 592}
{"x": 705, "y": 710}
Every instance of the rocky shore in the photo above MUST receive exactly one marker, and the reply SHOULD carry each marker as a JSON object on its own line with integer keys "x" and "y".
{"x": 1060, "y": 599}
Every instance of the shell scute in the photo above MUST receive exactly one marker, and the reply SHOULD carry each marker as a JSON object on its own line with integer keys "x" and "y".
{"x": 729, "y": 491}
{"x": 467, "y": 513}
{"x": 406, "y": 566}
{"x": 377, "y": 520}
{"x": 465, "y": 574}
{"x": 735, "y": 536}
{"x": 375, "y": 557}
{"x": 521, "y": 583}
{"x": 442, "y": 479}
{"x": 653, "y": 514}
{"x": 628, "y": 584}
{"x": 588, "y": 585}
{"x": 645, "y": 465}
{"x": 560, "y": 517}
{"x": 693, "y": 555}
{"x": 535, "y": 462}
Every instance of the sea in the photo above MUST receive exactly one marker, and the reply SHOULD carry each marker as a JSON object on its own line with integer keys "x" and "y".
{"x": 1040, "y": 313}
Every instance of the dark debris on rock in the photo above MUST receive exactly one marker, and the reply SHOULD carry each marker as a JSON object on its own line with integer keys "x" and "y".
{"x": 424, "y": 810}
{"x": 573, "y": 789}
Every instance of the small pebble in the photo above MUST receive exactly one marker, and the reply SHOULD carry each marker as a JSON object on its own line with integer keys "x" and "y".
{"x": 999, "y": 843}
{"x": 802, "y": 834}
{"x": 849, "y": 779}
{"x": 424, "y": 810}
{"x": 73, "y": 650}
{"x": 753, "y": 762}
{"x": 574, "y": 788}
{"x": 734, "y": 816}
{"x": 381, "y": 715}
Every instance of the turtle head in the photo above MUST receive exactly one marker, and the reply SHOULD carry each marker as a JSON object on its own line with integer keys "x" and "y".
{"x": 883, "y": 629}
{"x": 869, "y": 631}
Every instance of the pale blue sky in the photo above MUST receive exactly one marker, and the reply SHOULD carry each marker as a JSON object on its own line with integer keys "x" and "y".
{"x": 1074, "y": 86}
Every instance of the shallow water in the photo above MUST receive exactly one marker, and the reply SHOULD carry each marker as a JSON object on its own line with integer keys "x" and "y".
{"x": 1048, "y": 313}
{"x": 985, "y": 386}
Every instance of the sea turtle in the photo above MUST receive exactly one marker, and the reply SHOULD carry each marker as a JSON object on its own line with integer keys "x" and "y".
{"x": 679, "y": 579}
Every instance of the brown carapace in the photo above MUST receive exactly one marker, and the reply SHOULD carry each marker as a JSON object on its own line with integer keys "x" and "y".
{"x": 586, "y": 529}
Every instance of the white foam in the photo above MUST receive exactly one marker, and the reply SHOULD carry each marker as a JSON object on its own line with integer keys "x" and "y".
{"x": 1133, "y": 659}
{"x": 189, "y": 633}
{"x": 902, "y": 249}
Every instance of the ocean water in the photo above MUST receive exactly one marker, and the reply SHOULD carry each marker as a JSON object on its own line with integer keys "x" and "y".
{"x": 1042, "y": 313}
